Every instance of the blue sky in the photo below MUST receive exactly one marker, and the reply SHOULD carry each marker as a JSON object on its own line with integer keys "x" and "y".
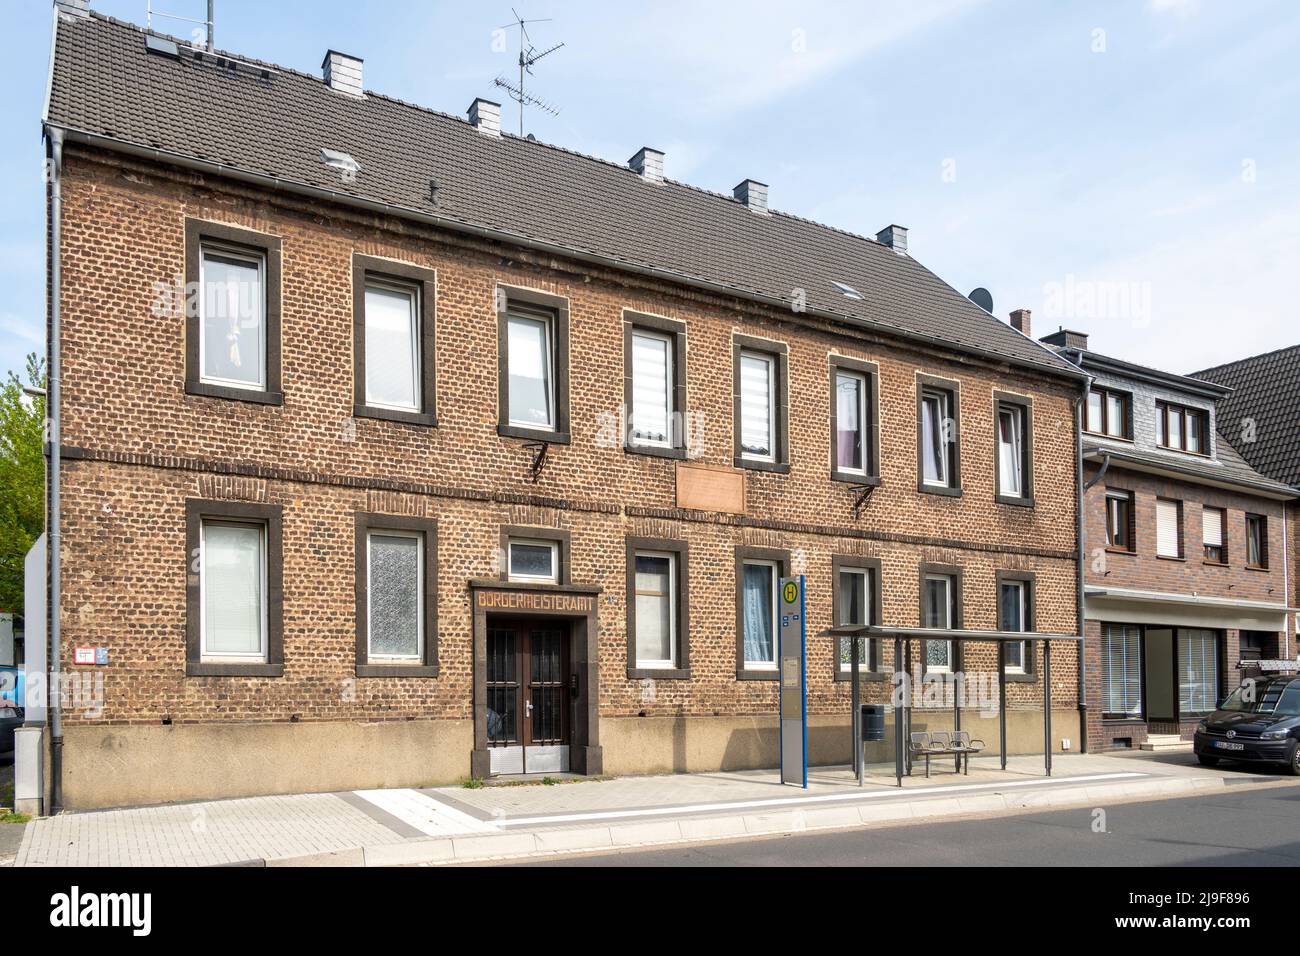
{"x": 1130, "y": 169}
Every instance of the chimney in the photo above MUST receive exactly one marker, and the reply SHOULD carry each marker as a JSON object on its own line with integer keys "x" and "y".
{"x": 895, "y": 237}
{"x": 649, "y": 163}
{"x": 1020, "y": 321}
{"x": 342, "y": 72}
{"x": 73, "y": 8}
{"x": 485, "y": 116}
{"x": 1067, "y": 339}
{"x": 753, "y": 194}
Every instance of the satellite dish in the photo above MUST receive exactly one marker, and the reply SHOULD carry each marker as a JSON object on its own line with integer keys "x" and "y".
{"x": 983, "y": 299}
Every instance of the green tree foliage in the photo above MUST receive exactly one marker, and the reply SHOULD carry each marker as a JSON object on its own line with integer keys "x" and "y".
{"x": 22, "y": 478}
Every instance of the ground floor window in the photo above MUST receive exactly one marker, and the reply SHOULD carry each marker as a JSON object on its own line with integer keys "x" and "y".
{"x": 1198, "y": 671}
{"x": 1121, "y": 670}
{"x": 233, "y": 575}
{"x": 759, "y": 614}
{"x": 656, "y": 617}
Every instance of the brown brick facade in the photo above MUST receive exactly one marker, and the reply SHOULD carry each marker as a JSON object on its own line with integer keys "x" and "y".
{"x": 139, "y": 447}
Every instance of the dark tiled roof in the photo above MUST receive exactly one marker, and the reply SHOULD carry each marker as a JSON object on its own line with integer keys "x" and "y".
{"x": 1266, "y": 390}
{"x": 104, "y": 83}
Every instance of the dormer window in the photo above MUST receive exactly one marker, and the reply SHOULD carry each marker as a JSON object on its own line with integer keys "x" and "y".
{"x": 1109, "y": 413}
{"x": 1182, "y": 429}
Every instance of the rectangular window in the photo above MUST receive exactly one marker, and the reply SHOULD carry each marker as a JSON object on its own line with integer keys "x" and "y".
{"x": 1169, "y": 522}
{"x": 1121, "y": 670}
{"x": 1014, "y": 610}
{"x": 1256, "y": 541}
{"x": 938, "y": 438}
{"x": 1212, "y": 525}
{"x": 1119, "y": 520}
{"x": 533, "y": 561}
{"x": 1181, "y": 428}
{"x": 939, "y": 597}
{"x": 854, "y": 607}
{"x": 392, "y": 346}
{"x": 1108, "y": 413}
{"x": 532, "y": 365}
{"x": 656, "y": 610}
{"x": 232, "y": 304}
{"x": 233, "y": 585}
{"x": 759, "y": 614}
{"x": 395, "y": 614}
{"x": 758, "y": 406}
{"x": 1014, "y": 462}
{"x": 529, "y": 369}
{"x": 850, "y": 422}
{"x": 651, "y": 414}
{"x": 1198, "y": 671}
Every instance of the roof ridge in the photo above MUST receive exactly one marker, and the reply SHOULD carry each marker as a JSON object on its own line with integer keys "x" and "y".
{"x": 1243, "y": 361}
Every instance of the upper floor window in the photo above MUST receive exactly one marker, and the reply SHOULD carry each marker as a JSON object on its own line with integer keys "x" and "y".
{"x": 854, "y": 443}
{"x": 1120, "y": 520}
{"x": 1014, "y": 462}
{"x": 1182, "y": 428}
{"x": 655, "y": 385}
{"x": 233, "y": 320}
{"x": 533, "y": 360}
{"x": 1169, "y": 528}
{"x": 937, "y": 437}
{"x": 1256, "y": 541}
{"x": 393, "y": 340}
{"x": 1213, "y": 524}
{"x": 760, "y": 369}
{"x": 1109, "y": 413}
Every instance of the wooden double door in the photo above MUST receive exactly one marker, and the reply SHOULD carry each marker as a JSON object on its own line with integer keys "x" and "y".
{"x": 529, "y": 696}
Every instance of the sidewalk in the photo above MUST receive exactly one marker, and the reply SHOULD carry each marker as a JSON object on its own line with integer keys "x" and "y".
{"x": 457, "y": 825}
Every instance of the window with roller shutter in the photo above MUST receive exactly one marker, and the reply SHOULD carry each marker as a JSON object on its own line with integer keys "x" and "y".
{"x": 1168, "y": 528}
{"x": 1212, "y": 523}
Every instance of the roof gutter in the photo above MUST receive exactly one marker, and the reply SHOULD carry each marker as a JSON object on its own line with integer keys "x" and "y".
{"x": 502, "y": 235}
{"x": 1172, "y": 469}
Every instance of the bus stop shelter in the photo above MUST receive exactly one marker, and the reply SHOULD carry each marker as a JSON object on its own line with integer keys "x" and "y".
{"x": 903, "y": 639}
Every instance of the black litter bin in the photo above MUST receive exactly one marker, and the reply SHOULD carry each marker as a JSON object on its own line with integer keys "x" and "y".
{"x": 873, "y": 722}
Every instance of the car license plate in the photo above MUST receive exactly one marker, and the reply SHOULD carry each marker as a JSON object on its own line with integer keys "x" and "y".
{"x": 1228, "y": 745}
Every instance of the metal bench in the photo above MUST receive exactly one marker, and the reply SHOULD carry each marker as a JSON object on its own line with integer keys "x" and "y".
{"x": 922, "y": 744}
{"x": 963, "y": 746}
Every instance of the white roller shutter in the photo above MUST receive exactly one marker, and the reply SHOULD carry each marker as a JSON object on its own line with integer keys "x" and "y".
{"x": 1212, "y": 527}
{"x": 1167, "y": 529}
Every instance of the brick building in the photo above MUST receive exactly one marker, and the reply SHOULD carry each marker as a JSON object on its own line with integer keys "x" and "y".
{"x": 396, "y": 449}
{"x": 1184, "y": 552}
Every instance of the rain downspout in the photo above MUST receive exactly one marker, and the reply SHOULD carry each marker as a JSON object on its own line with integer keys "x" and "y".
{"x": 54, "y": 140}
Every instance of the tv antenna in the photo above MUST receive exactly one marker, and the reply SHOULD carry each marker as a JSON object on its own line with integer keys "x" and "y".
{"x": 528, "y": 55}
{"x": 150, "y": 13}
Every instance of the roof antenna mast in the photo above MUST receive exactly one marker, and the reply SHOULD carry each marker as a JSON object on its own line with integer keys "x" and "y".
{"x": 150, "y": 13}
{"x": 528, "y": 55}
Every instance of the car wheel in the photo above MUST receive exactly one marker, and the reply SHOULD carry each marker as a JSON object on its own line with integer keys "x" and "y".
{"x": 1207, "y": 761}
{"x": 1293, "y": 761}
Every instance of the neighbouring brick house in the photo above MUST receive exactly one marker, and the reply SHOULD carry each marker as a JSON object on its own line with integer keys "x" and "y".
{"x": 1263, "y": 416}
{"x": 472, "y": 454}
{"x": 1184, "y": 548}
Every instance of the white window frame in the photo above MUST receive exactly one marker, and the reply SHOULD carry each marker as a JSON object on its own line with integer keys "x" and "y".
{"x": 863, "y": 403}
{"x": 867, "y": 594}
{"x": 547, "y": 323}
{"x": 264, "y": 636}
{"x": 554, "y": 546}
{"x": 950, "y": 585}
{"x": 668, "y": 343}
{"x": 671, "y": 663}
{"x": 255, "y": 258}
{"x": 417, "y": 370}
{"x": 770, "y": 361}
{"x": 1016, "y": 415}
{"x": 775, "y": 568}
{"x": 1023, "y": 588}
{"x": 371, "y": 656}
{"x": 942, "y": 399}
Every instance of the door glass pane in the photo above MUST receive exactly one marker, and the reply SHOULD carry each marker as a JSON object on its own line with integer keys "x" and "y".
{"x": 849, "y": 421}
{"x": 233, "y": 609}
{"x": 395, "y": 596}
{"x": 651, "y": 388}
{"x": 502, "y": 686}
{"x": 392, "y": 353}
{"x": 756, "y": 406}
{"x": 760, "y": 643}
{"x": 233, "y": 301}
{"x": 547, "y": 687}
{"x": 654, "y": 610}
{"x": 529, "y": 360}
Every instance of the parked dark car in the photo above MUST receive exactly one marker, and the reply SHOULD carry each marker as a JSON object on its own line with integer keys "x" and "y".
{"x": 11, "y": 718}
{"x": 1258, "y": 723}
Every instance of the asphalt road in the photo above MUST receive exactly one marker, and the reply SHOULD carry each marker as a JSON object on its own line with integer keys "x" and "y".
{"x": 1243, "y": 826}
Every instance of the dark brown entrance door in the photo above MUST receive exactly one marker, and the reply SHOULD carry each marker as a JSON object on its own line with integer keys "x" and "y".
{"x": 528, "y": 712}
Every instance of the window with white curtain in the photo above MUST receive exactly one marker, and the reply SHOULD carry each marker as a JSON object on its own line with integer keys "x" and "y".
{"x": 232, "y": 592}
{"x": 1014, "y": 613}
{"x": 936, "y": 437}
{"x": 1121, "y": 670}
{"x": 1168, "y": 523}
{"x": 392, "y": 346}
{"x": 759, "y": 614}
{"x": 395, "y": 592}
{"x": 1198, "y": 671}
{"x": 939, "y": 596}
{"x": 758, "y": 406}
{"x": 232, "y": 303}
{"x": 1011, "y": 450}
{"x": 851, "y": 422}
{"x": 1212, "y": 535}
{"x": 656, "y": 610}
{"x": 652, "y": 388}
{"x": 530, "y": 371}
{"x": 854, "y": 607}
